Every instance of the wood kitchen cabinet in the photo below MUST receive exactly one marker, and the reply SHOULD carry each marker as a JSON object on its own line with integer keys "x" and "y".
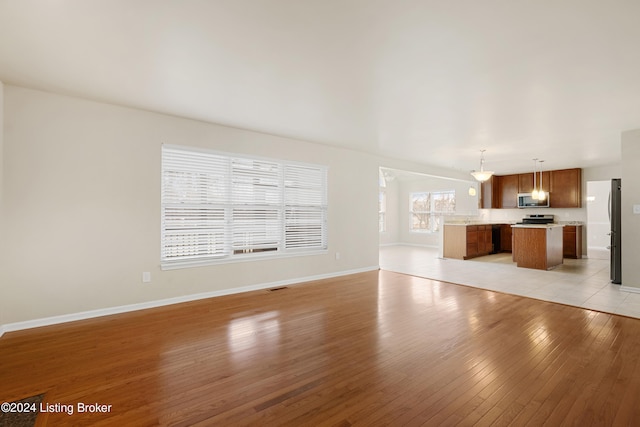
{"x": 508, "y": 191}
{"x": 525, "y": 182}
{"x": 489, "y": 193}
{"x": 537, "y": 247}
{"x": 505, "y": 238}
{"x": 467, "y": 241}
{"x": 565, "y": 189}
{"x": 572, "y": 241}
{"x": 472, "y": 242}
{"x": 479, "y": 241}
{"x": 485, "y": 241}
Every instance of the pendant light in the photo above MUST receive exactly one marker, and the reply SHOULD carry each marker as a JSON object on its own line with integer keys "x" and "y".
{"x": 534, "y": 193}
{"x": 541, "y": 193}
{"x": 482, "y": 175}
{"x": 472, "y": 190}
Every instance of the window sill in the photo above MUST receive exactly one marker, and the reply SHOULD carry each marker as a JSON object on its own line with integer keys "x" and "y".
{"x": 238, "y": 259}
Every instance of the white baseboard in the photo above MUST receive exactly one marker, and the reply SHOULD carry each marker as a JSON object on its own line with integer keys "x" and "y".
{"x": 54, "y": 320}
{"x": 389, "y": 244}
{"x": 630, "y": 289}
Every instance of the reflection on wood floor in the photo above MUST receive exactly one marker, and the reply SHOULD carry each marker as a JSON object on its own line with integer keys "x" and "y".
{"x": 579, "y": 282}
{"x": 377, "y": 348}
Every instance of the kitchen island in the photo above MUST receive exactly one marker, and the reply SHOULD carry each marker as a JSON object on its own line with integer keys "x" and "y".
{"x": 537, "y": 245}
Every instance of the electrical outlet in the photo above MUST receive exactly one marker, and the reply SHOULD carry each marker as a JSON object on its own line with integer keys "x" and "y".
{"x": 337, "y": 255}
{"x": 636, "y": 209}
{"x": 146, "y": 277}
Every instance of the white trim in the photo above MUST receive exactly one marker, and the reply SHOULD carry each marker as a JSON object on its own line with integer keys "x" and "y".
{"x": 390, "y": 244}
{"x": 47, "y": 321}
{"x": 248, "y": 258}
{"x": 631, "y": 289}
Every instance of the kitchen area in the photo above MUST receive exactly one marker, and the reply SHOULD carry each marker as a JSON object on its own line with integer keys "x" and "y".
{"x": 484, "y": 242}
{"x": 537, "y": 240}
{"x": 499, "y": 218}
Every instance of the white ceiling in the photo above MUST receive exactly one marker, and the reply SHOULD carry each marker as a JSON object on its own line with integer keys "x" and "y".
{"x": 432, "y": 81}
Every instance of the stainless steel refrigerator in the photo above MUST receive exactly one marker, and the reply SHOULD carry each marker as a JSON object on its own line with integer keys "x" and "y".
{"x": 615, "y": 217}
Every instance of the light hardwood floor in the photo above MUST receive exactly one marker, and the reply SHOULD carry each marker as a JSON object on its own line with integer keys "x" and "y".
{"x": 377, "y": 348}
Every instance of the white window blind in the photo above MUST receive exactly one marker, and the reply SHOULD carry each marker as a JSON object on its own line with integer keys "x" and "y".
{"x": 217, "y": 206}
{"x": 195, "y": 192}
{"x": 256, "y": 198}
{"x": 305, "y": 207}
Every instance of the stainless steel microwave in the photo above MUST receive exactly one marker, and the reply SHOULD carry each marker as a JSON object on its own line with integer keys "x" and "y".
{"x": 526, "y": 201}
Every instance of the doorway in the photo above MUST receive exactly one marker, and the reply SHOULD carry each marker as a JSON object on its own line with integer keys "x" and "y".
{"x": 598, "y": 224}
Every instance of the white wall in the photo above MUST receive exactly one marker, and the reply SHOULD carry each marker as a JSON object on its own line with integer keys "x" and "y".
{"x": 2, "y": 239}
{"x": 1, "y": 142}
{"x": 630, "y": 197}
{"x": 82, "y": 207}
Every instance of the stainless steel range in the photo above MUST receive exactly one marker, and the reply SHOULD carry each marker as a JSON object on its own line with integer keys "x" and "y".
{"x": 538, "y": 219}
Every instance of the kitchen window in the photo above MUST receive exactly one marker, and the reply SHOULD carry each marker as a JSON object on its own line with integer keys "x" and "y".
{"x": 427, "y": 209}
{"x": 221, "y": 207}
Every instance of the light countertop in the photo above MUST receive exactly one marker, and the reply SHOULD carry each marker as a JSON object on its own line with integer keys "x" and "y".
{"x": 479, "y": 223}
{"x": 536, "y": 225}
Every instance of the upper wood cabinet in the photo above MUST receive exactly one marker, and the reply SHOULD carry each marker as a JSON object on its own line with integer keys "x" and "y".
{"x": 565, "y": 189}
{"x": 489, "y": 193}
{"x": 508, "y": 191}
{"x": 525, "y": 181}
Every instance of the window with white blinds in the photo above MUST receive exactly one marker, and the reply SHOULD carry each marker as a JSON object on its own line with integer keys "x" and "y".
{"x": 222, "y": 207}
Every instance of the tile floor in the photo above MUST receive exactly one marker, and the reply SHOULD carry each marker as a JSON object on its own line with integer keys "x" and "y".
{"x": 580, "y": 282}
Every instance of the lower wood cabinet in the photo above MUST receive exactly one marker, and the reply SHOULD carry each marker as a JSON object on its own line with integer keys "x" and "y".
{"x": 506, "y": 240}
{"x": 485, "y": 241}
{"x": 537, "y": 247}
{"x": 467, "y": 241}
{"x": 572, "y": 241}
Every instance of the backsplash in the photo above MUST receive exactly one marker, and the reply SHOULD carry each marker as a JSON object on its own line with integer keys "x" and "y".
{"x": 515, "y": 215}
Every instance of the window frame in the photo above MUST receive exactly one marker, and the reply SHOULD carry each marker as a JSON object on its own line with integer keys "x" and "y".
{"x": 297, "y": 193}
{"x": 435, "y": 216}
{"x": 382, "y": 210}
